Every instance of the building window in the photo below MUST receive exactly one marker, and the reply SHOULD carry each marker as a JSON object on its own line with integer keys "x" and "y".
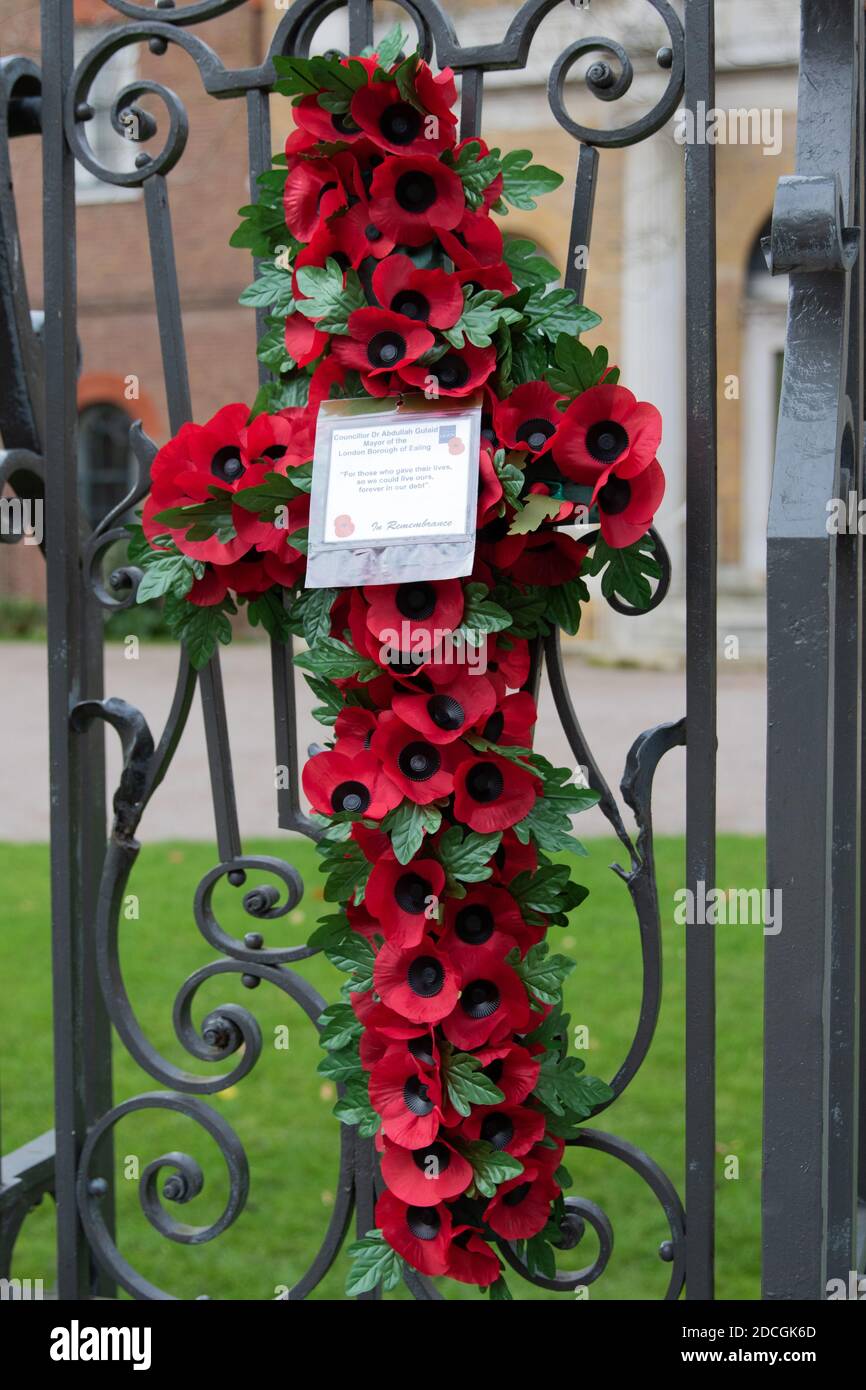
{"x": 105, "y": 460}
{"x": 111, "y": 150}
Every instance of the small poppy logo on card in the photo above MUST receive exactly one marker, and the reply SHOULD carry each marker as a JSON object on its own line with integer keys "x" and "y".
{"x": 343, "y": 526}
{"x": 456, "y": 446}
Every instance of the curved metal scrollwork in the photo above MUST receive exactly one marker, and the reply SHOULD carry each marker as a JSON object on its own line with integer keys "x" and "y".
{"x": 229, "y": 1031}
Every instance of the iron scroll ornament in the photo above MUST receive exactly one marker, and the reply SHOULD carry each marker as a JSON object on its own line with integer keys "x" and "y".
{"x": 228, "y": 1029}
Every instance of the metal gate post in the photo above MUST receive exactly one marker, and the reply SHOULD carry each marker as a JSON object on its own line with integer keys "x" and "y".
{"x": 814, "y": 640}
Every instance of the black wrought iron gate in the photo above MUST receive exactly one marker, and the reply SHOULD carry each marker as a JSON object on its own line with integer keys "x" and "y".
{"x": 812, "y": 1065}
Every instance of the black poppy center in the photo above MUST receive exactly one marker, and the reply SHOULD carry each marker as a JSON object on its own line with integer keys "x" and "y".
{"x": 446, "y": 712}
{"x": 415, "y": 191}
{"x": 275, "y": 451}
{"x": 495, "y": 530}
{"x": 497, "y": 1130}
{"x": 606, "y": 440}
{"x": 474, "y": 924}
{"x": 325, "y": 188}
{"x": 226, "y": 464}
{"x": 517, "y": 1194}
{"x": 412, "y": 304}
{"x": 422, "y": 1049}
{"x": 492, "y": 730}
{"x": 400, "y": 123}
{"x": 423, "y": 1222}
{"x": 350, "y": 796}
{"x": 406, "y": 665}
{"x": 440, "y": 1152}
{"x": 416, "y": 1097}
{"x": 615, "y": 496}
{"x": 416, "y": 601}
{"x": 419, "y": 761}
{"x": 494, "y": 1070}
{"x": 480, "y": 999}
{"x": 535, "y": 433}
{"x": 452, "y": 372}
{"x": 426, "y": 977}
{"x": 386, "y": 349}
{"x": 344, "y": 124}
{"x": 411, "y": 892}
{"x": 485, "y": 782}
{"x": 372, "y": 233}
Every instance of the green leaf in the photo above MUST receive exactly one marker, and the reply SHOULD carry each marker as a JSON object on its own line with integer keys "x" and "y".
{"x": 549, "y": 826}
{"x": 340, "y": 1066}
{"x": 476, "y": 175}
{"x": 481, "y": 615}
{"x": 407, "y": 825}
{"x": 540, "y": 1258}
{"x": 373, "y": 1263}
{"x": 499, "y": 1291}
{"x": 557, "y": 311}
{"x": 466, "y": 1083}
{"x": 354, "y": 956}
{"x": 271, "y": 289}
{"x": 201, "y": 520}
{"x": 169, "y": 574}
{"x": 564, "y": 1089}
{"x": 510, "y": 475}
{"x": 530, "y": 358}
{"x": 483, "y": 312}
{"x": 326, "y": 298}
{"x": 333, "y": 658}
{"x": 353, "y": 1106}
{"x": 338, "y": 1027}
{"x": 627, "y": 571}
{"x": 523, "y": 182}
{"x": 271, "y": 350}
{"x": 201, "y": 629}
{"x": 575, "y": 368}
{"x": 389, "y": 48}
{"x": 269, "y": 500}
{"x": 564, "y": 604}
{"x": 348, "y": 872}
{"x": 543, "y": 973}
{"x": 269, "y": 610}
{"x": 490, "y": 1166}
{"x": 528, "y": 268}
{"x": 467, "y": 856}
{"x": 313, "y": 609}
{"x": 542, "y": 890}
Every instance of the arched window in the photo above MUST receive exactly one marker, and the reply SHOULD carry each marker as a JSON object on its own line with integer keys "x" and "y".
{"x": 105, "y": 461}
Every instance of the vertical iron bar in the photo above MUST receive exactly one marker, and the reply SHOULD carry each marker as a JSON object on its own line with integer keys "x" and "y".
{"x": 700, "y": 650}
{"x": 471, "y": 95}
{"x": 82, "y": 1057}
{"x": 360, "y": 25}
{"x": 581, "y": 220}
{"x": 259, "y": 145}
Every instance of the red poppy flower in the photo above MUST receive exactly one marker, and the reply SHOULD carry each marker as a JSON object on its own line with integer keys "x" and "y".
{"x": 626, "y": 506}
{"x": 325, "y": 125}
{"x": 421, "y": 1235}
{"x": 354, "y": 728}
{"x": 487, "y": 919}
{"x": 436, "y": 93}
{"x": 334, "y": 782}
{"x": 210, "y": 589}
{"x": 512, "y": 1129}
{"x": 475, "y": 241}
{"x": 496, "y": 546}
{"x": 422, "y": 770}
{"x": 372, "y": 843}
{"x": 470, "y": 1259}
{"x": 513, "y": 857}
{"x": 379, "y": 341}
{"x": 328, "y": 374}
{"x": 455, "y": 374}
{"x": 429, "y": 296}
{"x": 493, "y": 793}
{"x": 304, "y": 342}
{"x": 422, "y": 614}
{"x": 512, "y": 722}
{"x": 302, "y": 420}
{"x": 425, "y": 1176}
{"x": 548, "y": 558}
{"x": 492, "y": 1004}
{"x": 420, "y": 983}
{"x": 357, "y": 235}
{"x": 511, "y": 1068}
{"x": 412, "y": 197}
{"x": 396, "y": 125}
{"x": 399, "y": 895}
{"x": 197, "y": 459}
{"x": 275, "y": 440}
{"x": 488, "y": 277}
{"x": 607, "y": 426}
{"x": 528, "y": 419}
{"x": 521, "y": 1207}
{"x": 376, "y": 1016}
{"x": 489, "y": 486}
{"x": 446, "y": 714}
{"x": 408, "y": 1097}
{"x": 312, "y": 192}
{"x": 511, "y": 663}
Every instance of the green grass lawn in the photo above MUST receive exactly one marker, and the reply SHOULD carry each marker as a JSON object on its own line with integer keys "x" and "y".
{"x": 281, "y": 1111}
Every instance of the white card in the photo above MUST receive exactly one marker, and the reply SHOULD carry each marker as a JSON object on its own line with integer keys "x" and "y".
{"x": 394, "y": 491}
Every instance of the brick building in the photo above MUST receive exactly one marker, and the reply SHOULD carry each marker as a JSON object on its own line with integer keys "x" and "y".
{"x": 635, "y": 279}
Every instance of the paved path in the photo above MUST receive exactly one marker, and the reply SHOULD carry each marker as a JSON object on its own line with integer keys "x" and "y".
{"x": 613, "y": 706}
